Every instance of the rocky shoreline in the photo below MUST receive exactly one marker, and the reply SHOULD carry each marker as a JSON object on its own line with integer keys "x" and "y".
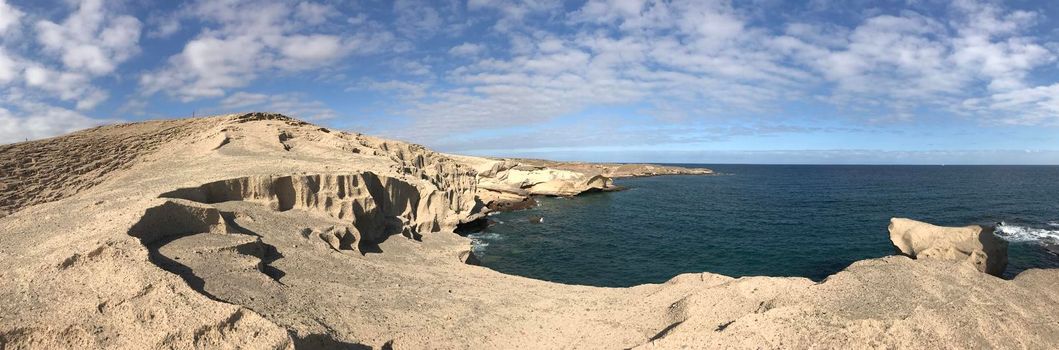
{"x": 260, "y": 231}
{"x": 506, "y": 184}
{"x": 616, "y": 170}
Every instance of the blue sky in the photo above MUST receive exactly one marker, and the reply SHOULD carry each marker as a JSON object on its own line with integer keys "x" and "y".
{"x": 765, "y": 81}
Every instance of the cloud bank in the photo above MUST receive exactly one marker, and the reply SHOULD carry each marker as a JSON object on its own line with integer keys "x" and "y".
{"x": 500, "y": 75}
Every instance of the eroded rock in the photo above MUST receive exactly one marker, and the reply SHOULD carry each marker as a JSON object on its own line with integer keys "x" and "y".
{"x": 378, "y": 206}
{"x": 973, "y": 244}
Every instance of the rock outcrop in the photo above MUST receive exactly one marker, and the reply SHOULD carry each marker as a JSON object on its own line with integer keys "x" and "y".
{"x": 976, "y": 245}
{"x": 615, "y": 170}
{"x": 514, "y": 177}
{"x": 509, "y": 184}
{"x": 377, "y": 206}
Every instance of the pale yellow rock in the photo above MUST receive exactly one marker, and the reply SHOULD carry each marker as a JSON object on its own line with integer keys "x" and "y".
{"x": 514, "y": 177}
{"x": 507, "y": 184}
{"x": 975, "y": 244}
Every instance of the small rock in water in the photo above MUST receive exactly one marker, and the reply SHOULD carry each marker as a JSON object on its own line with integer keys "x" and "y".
{"x": 536, "y": 219}
{"x": 1051, "y": 246}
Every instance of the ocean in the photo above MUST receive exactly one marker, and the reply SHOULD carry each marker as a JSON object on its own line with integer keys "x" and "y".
{"x": 768, "y": 220}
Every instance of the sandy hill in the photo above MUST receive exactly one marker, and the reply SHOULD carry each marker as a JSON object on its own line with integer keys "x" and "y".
{"x": 263, "y": 232}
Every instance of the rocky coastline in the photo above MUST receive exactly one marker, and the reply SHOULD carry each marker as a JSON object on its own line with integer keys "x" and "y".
{"x": 260, "y": 231}
{"x": 506, "y": 184}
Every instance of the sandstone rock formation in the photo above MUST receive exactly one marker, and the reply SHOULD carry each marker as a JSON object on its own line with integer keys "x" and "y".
{"x": 263, "y": 232}
{"x": 976, "y": 245}
{"x": 509, "y": 184}
{"x": 614, "y": 170}
{"x": 508, "y": 176}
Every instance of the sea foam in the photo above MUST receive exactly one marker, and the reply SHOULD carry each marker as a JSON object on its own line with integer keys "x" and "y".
{"x": 1014, "y": 233}
{"x": 480, "y": 240}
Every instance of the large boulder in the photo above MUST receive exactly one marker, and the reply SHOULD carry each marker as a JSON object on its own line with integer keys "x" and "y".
{"x": 973, "y": 244}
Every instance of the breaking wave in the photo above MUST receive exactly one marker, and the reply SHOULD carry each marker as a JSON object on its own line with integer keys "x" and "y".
{"x": 1014, "y": 233}
{"x": 480, "y": 240}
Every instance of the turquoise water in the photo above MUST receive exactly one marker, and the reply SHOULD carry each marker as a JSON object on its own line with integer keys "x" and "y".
{"x": 773, "y": 220}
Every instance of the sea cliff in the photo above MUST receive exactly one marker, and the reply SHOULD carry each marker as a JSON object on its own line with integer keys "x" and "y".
{"x": 260, "y": 231}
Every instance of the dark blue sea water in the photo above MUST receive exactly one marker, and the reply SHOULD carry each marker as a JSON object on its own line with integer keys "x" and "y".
{"x": 774, "y": 220}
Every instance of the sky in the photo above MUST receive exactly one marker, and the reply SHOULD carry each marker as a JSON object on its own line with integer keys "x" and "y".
{"x": 705, "y": 81}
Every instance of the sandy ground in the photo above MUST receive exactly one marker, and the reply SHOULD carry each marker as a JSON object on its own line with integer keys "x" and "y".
{"x": 257, "y": 231}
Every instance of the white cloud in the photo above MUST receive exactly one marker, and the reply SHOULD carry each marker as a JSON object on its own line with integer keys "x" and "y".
{"x": 891, "y": 55}
{"x": 410, "y": 67}
{"x": 675, "y": 60}
{"x": 466, "y": 50}
{"x": 669, "y": 55}
{"x": 91, "y": 40}
{"x": 9, "y": 69}
{"x": 602, "y": 11}
{"x": 710, "y": 21}
{"x": 417, "y": 18}
{"x": 279, "y": 37}
{"x": 314, "y": 48}
{"x": 133, "y": 106}
{"x": 65, "y": 85}
{"x": 243, "y": 99}
{"x": 990, "y": 45}
{"x": 207, "y": 67}
{"x": 514, "y": 12}
{"x": 313, "y": 13}
{"x": 898, "y": 64}
{"x": 668, "y": 61}
{"x": 39, "y": 121}
{"x": 91, "y": 99}
{"x": 9, "y": 17}
{"x": 289, "y": 104}
{"x": 405, "y": 89}
{"x": 1030, "y": 106}
{"x": 163, "y": 26}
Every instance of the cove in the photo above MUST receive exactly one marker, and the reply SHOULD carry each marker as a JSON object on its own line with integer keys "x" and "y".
{"x": 769, "y": 220}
